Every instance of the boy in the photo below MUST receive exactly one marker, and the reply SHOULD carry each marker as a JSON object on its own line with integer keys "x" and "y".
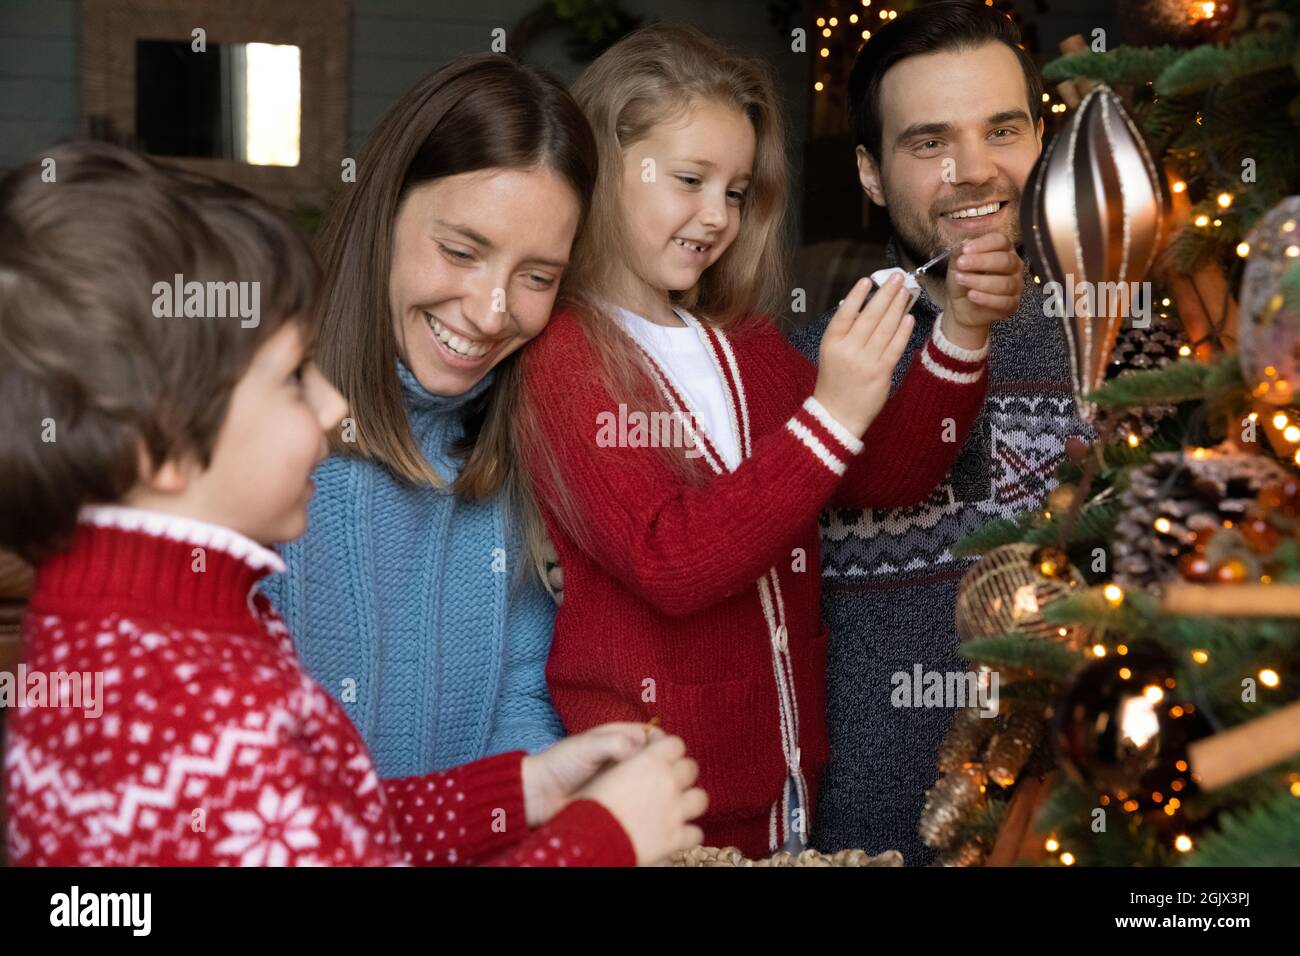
{"x": 154, "y": 440}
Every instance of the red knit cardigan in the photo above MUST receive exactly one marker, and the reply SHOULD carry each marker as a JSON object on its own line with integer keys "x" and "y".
{"x": 208, "y": 745}
{"x": 700, "y": 605}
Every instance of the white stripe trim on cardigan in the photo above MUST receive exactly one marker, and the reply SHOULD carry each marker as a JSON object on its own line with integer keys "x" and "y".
{"x": 832, "y": 425}
{"x": 814, "y": 444}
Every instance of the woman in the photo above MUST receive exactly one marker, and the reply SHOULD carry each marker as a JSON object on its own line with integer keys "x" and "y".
{"x": 407, "y": 596}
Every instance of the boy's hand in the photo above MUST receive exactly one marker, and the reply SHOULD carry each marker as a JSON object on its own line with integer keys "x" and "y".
{"x": 984, "y": 284}
{"x": 653, "y": 798}
{"x": 552, "y": 777}
{"x": 860, "y": 347}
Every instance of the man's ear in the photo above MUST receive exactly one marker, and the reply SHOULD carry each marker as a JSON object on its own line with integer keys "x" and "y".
{"x": 869, "y": 176}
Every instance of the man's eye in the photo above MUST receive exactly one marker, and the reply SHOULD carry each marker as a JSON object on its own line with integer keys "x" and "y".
{"x": 929, "y": 144}
{"x": 1009, "y": 132}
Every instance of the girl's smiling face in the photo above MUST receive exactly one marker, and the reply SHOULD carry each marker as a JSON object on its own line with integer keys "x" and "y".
{"x": 476, "y": 266}
{"x": 682, "y": 192}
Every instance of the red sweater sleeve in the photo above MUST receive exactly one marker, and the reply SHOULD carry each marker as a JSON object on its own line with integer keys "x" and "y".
{"x": 466, "y": 815}
{"x": 920, "y": 430}
{"x": 684, "y": 547}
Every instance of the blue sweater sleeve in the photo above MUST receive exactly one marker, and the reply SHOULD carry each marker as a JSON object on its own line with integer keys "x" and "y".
{"x": 525, "y": 718}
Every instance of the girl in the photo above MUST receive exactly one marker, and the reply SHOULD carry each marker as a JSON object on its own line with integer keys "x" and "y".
{"x": 690, "y": 572}
{"x": 441, "y": 262}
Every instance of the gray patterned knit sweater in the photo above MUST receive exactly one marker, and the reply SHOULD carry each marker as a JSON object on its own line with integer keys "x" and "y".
{"x": 890, "y": 579}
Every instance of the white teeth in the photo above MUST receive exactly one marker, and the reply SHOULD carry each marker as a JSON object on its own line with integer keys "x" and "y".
{"x": 693, "y": 246}
{"x": 975, "y": 211}
{"x": 453, "y": 341}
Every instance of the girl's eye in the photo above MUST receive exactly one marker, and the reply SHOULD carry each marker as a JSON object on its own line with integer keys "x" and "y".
{"x": 297, "y": 374}
{"x": 455, "y": 254}
{"x": 737, "y": 196}
{"x": 690, "y": 180}
{"x": 542, "y": 282}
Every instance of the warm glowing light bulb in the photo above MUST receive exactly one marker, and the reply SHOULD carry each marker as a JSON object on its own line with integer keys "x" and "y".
{"x": 1184, "y": 350}
{"x": 1153, "y": 693}
{"x": 1202, "y": 220}
{"x": 1268, "y": 677}
{"x": 1292, "y": 434}
{"x": 1162, "y": 525}
{"x": 1133, "y": 441}
{"x": 1098, "y": 650}
{"x": 819, "y": 86}
{"x": 1067, "y": 859}
{"x": 1114, "y": 595}
{"x": 1280, "y": 420}
{"x": 1179, "y": 186}
{"x": 1183, "y": 843}
{"x": 1051, "y": 846}
{"x": 1200, "y": 656}
{"x": 1224, "y": 199}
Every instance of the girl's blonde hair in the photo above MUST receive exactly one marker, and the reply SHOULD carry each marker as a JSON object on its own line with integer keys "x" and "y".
{"x": 656, "y": 75}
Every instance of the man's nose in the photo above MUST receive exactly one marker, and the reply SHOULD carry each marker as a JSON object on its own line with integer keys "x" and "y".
{"x": 974, "y": 163}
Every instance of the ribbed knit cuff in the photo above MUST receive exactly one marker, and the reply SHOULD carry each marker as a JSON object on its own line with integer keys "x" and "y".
{"x": 952, "y": 363}
{"x": 494, "y": 802}
{"x": 828, "y": 440}
{"x": 592, "y": 834}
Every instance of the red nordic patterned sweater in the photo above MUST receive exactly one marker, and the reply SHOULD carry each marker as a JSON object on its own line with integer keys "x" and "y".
{"x": 214, "y": 747}
{"x": 701, "y": 605}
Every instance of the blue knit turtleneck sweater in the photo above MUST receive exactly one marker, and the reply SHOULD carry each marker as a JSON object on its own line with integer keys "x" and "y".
{"x": 404, "y": 604}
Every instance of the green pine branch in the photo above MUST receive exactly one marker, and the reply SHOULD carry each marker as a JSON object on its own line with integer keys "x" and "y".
{"x": 1044, "y": 657}
{"x": 1265, "y": 834}
{"x": 1122, "y": 65}
{"x": 1209, "y": 65}
{"x": 1185, "y": 381}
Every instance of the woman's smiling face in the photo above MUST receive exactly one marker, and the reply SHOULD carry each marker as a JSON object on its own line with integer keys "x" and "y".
{"x": 476, "y": 265}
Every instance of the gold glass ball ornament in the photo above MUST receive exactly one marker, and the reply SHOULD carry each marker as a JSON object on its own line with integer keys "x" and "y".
{"x": 1007, "y": 590}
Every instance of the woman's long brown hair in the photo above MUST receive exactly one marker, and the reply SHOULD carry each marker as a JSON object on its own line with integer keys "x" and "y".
{"x": 486, "y": 111}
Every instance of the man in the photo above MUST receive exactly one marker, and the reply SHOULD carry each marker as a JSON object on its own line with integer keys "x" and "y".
{"x": 946, "y": 114}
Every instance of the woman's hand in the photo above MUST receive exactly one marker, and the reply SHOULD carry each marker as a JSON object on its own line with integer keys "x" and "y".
{"x": 552, "y": 777}
{"x": 554, "y": 573}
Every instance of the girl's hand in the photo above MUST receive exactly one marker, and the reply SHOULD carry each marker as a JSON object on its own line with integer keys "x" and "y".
{"x": 653, "y": 798}
{"x": 859, "y": 350}
{"x": 552, "y": 777}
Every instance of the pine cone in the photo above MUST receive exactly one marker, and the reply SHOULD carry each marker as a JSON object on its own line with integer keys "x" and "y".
{"x": 1140, "y": 350}
{"x": 1193, "y": 491}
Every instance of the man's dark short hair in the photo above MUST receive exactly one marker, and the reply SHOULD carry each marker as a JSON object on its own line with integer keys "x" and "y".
{"x": 932, "y": 28}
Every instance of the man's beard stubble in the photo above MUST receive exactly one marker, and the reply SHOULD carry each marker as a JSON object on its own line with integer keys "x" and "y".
{"x": 918, "y": 234}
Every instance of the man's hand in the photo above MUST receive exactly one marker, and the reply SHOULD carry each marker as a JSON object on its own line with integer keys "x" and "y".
{"x": 985, "y": 281}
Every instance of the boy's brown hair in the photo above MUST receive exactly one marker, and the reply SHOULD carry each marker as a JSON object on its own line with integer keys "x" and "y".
{"x": 90, "y": 373}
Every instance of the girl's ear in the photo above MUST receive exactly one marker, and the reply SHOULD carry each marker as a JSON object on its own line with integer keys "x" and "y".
{"x": 869, "y": 176}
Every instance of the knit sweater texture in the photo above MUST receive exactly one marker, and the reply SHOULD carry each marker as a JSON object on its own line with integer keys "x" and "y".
{"x": 699, "y": 604}
{"x": 206, "y": 744}
{"x": 890, "y": 578}
{"x": 404, "y": 604}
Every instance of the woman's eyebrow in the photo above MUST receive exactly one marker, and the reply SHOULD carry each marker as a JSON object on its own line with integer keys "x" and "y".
{"x": 465, "y": 231}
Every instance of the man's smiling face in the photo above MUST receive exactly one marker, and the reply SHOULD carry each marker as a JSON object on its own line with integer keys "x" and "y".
{"x": 957, "y": 144}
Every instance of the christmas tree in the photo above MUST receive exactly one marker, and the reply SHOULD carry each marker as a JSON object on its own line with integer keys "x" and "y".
{"x": 1144, "y": 624}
